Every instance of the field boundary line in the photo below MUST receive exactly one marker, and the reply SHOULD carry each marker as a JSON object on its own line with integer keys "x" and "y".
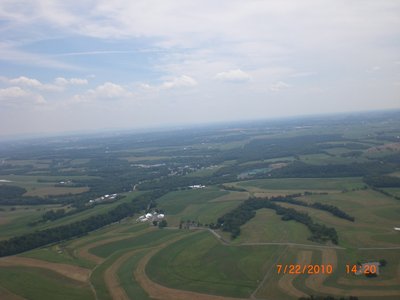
{"x": 265, "y": 278}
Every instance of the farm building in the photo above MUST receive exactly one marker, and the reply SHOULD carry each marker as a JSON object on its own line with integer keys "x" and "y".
{"x": 197, "y": 186}
{"x": 150, "y": 217}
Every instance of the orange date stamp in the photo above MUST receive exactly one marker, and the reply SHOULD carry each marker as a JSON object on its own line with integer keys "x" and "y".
{"x": 311, "y": 269}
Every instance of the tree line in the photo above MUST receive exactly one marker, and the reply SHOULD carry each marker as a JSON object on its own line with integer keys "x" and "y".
{"x": 40, "y": 238}
{"x": 317, "y": 205}
{"x": 232, "y": 220}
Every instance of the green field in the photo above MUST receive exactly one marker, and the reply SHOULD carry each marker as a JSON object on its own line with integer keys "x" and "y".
{"x": 36, "y": 188}
{"x": 175, "y": 202}
{"x": 122, "y": 258}
{"x": 200, "y": 263}
{"x": 145, "y": 240}
{"x": 40, "y": 284}
{"x": 131, "y": 286}
{"x": 263, "y": 229}
{"x": 304, "y": 183}
{"x": 375, "y": 216}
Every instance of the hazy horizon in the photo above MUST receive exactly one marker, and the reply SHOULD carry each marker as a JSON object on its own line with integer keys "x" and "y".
{"x": 100, "y": 65}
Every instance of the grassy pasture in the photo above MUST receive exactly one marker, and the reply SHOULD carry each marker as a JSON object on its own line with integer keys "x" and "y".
{"x": 40, "y": 284}
{"x": 263, "y": 229}
{"x": 303, "y": 183}
{"x": 341, "y": 283}
{"x": 393, "y": 191}
{"x": 97, "y": 278}
{"x": 98, "y": 209}
{"x": 125, "y": 272}
{"x": 232, "y": 196}
{"x": 56, "y": 191}
{"x": 202, "y": 205}
{"x": 131, "y": 287}
{"x": 205, "y": 172}
{"x": 200, "y": 263}
{"x": 145, "y": 240}
{"x": 375, "y": 216}
{"x": 205, "y": 213}
{"x": 36, "y": 163}
{"x": 175, "y": 202}
{"x": 323, "y": 159}
{"x": 16, "y": 221}
{"x": 35, "y": 188}
{"x": 278, "y": 286}
{"x": 135, "y": 159}
{"x": 58, "y": 254}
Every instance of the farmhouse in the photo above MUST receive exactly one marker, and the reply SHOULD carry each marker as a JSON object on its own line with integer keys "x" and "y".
{"x": 197, "y": 186}
{"x": 105, "y": 198}
{"x": 150, "y": 217}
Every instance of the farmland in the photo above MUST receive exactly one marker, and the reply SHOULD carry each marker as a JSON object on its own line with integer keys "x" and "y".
{"x": 198, "y": 179}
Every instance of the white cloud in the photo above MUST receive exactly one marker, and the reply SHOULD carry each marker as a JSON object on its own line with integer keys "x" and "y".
{"x": 78, "y": 81}
{"x": 106, "y": 91}
{"x": 12, "y": 92}
{"x": 15, "y": 96}
{"x": 73, "y": 81}
{"x": 59, "y": 85}
{"x": 278, "y": 86}
{"x": 22, "y": 80}
{"x": 181, "y": 81}
{"x": 233, "y": 76}
{"x": 109, "y": 90}
{"x": 31, "y": 83}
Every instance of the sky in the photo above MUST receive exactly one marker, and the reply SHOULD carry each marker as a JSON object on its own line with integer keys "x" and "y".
{"x": 68, "y": 66}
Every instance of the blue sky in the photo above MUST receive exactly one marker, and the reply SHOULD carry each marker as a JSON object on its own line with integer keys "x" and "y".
{"x": 91, "y": 65}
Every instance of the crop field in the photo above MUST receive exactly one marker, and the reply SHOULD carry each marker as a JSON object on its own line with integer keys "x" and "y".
{"x": 40, "y": 185}
{"x": 215, "y": 242}
{"x": 302, "y": 184}
{"x": 229, "y": 271}
{"x": 56, "y": 191}
{"x": 15, "y": 220}
{"x": 373, "y": 212}
{"x": 262, "y": 229}
{"x": 35, "y": 283}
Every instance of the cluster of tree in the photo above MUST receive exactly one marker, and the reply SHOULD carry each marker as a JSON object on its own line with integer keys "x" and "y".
{"x": 52, "y": 215}
{"x": 190, "y": 223}
{"x": 382, "y": 181}
{"x": 13, "y": 195}
{"x": 10, "y": 191}
{"x": 268, "y": 148}
{"x": 392, "y": 158}
{"x": 238, "y": 169}
{"x": 317, "y": 205}
{"x": 162, "y": 224}
{"x": 232, "y": 220}
{"x": 231, "y": 188}
{"x": 333, "y": 210}
{"x": 301, "y": 169}
{"x": 386, "y": 193}
{"x": 352, "y": 154}
{"x": 40, "y": 238}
